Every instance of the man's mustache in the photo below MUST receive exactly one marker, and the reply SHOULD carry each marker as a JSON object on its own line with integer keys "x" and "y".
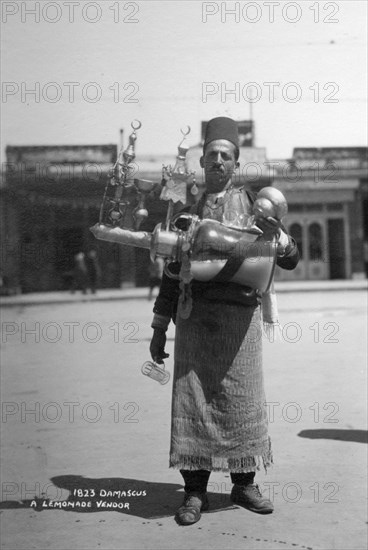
{"x": 216, "y": 168}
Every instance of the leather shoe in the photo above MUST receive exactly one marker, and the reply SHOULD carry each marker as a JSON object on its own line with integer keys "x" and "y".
{"x": 250, "y": 497}
{"x": 190, "y": 511}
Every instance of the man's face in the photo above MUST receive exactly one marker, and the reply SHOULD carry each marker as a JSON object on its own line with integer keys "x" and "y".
{"x": 219, "y": 163}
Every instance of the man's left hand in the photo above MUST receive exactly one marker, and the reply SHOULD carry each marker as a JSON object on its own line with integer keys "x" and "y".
{"x": 270, "y": 227}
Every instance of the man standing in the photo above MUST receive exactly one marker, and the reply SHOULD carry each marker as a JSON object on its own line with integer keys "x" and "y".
{"x": 219, "y": 418}
{"x": 93, "y": 269}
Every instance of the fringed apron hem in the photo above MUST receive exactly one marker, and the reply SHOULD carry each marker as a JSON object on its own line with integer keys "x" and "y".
{"x": 243, "y": 464}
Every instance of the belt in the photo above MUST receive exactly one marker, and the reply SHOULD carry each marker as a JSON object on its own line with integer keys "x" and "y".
{"x": 226, "y": 293}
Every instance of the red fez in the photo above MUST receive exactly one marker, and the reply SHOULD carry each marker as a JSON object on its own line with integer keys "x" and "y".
{"x": 221, "y": 127}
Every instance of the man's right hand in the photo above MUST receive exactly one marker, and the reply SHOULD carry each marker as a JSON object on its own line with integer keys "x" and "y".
{"x": 157, "y": 345}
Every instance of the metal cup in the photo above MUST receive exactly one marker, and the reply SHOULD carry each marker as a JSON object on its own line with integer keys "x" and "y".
{"x": 156, "y": 371}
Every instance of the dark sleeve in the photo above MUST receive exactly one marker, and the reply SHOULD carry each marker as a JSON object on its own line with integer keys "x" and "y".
{"x": 290, "y": 259}
{"x": 166, "y": 301}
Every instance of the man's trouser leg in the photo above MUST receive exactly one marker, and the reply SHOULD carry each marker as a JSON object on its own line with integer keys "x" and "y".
{"x": 242, "y": 478}
{"x": 195, "y": 480}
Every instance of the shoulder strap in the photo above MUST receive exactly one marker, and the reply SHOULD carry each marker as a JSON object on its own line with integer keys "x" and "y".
{"x": 251, "y": 195}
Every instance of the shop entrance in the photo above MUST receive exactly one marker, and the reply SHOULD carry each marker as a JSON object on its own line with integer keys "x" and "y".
{"x": 336, "y": 248}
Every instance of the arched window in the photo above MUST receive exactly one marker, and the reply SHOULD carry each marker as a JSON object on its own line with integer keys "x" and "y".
{"x": 296, "y": 232}
{"x": 315, "y": 242}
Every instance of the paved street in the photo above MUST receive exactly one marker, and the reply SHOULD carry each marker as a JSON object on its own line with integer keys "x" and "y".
{"x": 79, "y": 421}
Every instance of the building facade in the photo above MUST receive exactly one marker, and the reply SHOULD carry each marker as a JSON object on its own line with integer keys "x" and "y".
{"x": 327, "y": 194}
{"x": 49, "y": 198}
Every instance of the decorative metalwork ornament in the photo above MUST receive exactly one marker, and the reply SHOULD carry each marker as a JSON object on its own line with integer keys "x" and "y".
{"x": 123, "y": 204}
{"x": 176, "y": 180}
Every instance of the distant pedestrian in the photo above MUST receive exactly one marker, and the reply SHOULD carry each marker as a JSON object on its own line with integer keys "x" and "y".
{"x": 155, "y": 271}
{"x": 93, "y": 270}
{"x": 80, "y": 273}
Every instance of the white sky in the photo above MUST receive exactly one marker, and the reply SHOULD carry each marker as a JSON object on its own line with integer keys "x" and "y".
{"x": 169, "y": 53}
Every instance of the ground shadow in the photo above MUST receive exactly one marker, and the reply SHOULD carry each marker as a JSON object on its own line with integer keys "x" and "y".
{"x": 145, "y": 499}
{"x": 357, "y": 436}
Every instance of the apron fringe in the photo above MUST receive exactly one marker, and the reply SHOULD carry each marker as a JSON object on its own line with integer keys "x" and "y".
{"x": 221, "y": 464}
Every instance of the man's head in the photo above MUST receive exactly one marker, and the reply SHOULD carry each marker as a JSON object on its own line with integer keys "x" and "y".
{"x": 220, "y": 153}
